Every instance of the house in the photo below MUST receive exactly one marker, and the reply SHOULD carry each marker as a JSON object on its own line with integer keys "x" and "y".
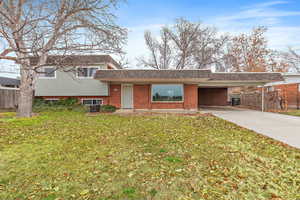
{"x": 289, "y": 89}
{"x": 174, "y": 89}
{"x": 72, "y": 76}
{"x": 9, "y": 82}
{"x": 98, "y": 79}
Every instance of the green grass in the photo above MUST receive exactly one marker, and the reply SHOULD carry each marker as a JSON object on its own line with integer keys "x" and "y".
{"x": 69, "y": 155}
{"x": 292, "y": 112}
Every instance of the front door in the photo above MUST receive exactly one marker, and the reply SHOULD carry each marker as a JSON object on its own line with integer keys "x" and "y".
{"x": 127, "y": 96}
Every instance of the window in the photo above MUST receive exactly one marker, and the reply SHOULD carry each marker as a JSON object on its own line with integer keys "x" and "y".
{"x": 167, "y": 92}
{"x": 270, "y": 89}
{"x": 90, "y": 102}
{"x": 86, "y": 72}
{"x": 48, "y": 72}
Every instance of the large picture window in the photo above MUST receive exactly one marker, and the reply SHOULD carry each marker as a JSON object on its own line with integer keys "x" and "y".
{"x": 167, "y": 92}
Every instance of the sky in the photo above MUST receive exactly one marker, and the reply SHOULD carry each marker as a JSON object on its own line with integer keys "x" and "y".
{"x": 282, "y": 17}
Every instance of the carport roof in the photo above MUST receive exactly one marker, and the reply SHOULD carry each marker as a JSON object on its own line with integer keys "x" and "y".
{"x": 186, "y": 76}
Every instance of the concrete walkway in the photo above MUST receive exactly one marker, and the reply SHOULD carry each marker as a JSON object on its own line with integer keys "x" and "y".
{"x": 280, "y": 127}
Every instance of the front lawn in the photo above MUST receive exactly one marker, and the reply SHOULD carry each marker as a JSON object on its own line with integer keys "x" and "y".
{"x": 69, "y": 155}
{"x": 292, "y": 112}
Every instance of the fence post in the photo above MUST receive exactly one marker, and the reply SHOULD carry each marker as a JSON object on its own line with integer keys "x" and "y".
{"x": 298, "y": 93}
{"x": 263, "y": 99}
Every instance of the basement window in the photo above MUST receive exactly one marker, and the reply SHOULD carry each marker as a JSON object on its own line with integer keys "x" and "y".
{"x": 167, "y": 92}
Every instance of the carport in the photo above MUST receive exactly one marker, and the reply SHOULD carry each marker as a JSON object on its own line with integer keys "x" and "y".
{"x": 215, "y": 91}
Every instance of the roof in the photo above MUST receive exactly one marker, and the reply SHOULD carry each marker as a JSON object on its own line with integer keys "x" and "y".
{"x": 288, "y": 79}
{"x": 195, "y": 76}
{"x": 141, "y": 75}
{"x": 75, "y": 60}
{"x": 247, "y": 76}
{"x": 9, "y": 81}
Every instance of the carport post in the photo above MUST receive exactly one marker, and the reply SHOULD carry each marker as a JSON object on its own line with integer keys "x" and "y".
{"x": 263, "y": 99}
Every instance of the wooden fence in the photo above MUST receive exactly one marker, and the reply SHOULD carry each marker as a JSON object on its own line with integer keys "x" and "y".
{"x": 253, "y": 100}
{"x": 9, "y": 97}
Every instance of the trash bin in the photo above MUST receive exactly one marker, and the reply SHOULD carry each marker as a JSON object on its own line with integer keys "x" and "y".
{"x": 95, "y": 108}
{"x": 235, "y": 101}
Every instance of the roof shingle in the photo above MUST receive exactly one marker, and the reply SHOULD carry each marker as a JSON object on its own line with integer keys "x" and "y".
{"x": 9, "y": 81}
{"x": 194, "y": 75}
{"x": 75, "y": 60}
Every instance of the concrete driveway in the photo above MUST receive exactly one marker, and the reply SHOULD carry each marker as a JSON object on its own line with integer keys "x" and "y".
{"x": 280, "y": 127}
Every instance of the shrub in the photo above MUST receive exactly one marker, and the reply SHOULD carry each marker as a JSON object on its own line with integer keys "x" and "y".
{"x": 40, "y": 105}
{"x": 68, "y": 102}
{"x": 107, "y": 108}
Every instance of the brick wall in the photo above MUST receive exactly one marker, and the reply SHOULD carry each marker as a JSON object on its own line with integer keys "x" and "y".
{"x": 213, "y": 96}
{"x": 142, "y": 98}
{"x": 115, "y": 95}
{"x": 190, "y": 96}
{"x": 292, "y": 93}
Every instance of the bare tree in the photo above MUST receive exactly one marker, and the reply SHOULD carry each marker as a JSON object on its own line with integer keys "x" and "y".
{"x": 183, "y": 35}
{"x": 184, "y": 45}
{"x": 160, "y": 51}
{"x": 250, "y": 53}
{"x": 42, "y": 28}
{"x": 209, "y": 49}
{"x": 293, "y": 59}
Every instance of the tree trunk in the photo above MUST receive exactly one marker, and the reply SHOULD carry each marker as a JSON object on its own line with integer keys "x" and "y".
{"x": 26, "y": 93}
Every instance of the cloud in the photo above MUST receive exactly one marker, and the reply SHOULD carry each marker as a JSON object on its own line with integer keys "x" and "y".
{"x": 282, "y": 37}
{"x": 262, "y": 10}
{"x": 268, "y": 4}
{"x": 279, "y": 34}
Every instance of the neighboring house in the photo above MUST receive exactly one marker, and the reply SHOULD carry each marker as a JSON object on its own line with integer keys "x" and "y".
{"x": 174, "y": 89}
{"x": 9, "y": 82}
{"x": 74, "y": 79}
{"x": 289, "y": 88}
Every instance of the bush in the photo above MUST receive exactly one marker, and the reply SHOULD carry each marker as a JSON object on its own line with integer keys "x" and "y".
{"x": 40, "y": 105}
{"x": 107, "y": 108}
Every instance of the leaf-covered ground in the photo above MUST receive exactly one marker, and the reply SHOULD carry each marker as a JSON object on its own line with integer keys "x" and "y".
{"x": 69, "y": 155}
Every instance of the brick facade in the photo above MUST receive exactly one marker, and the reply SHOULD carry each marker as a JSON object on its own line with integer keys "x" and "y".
{"x": 213, "y": 96}
{"x": 142, "y": 97}
{"x": 292, "y": 93}
{"x": 115, "y": 95}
